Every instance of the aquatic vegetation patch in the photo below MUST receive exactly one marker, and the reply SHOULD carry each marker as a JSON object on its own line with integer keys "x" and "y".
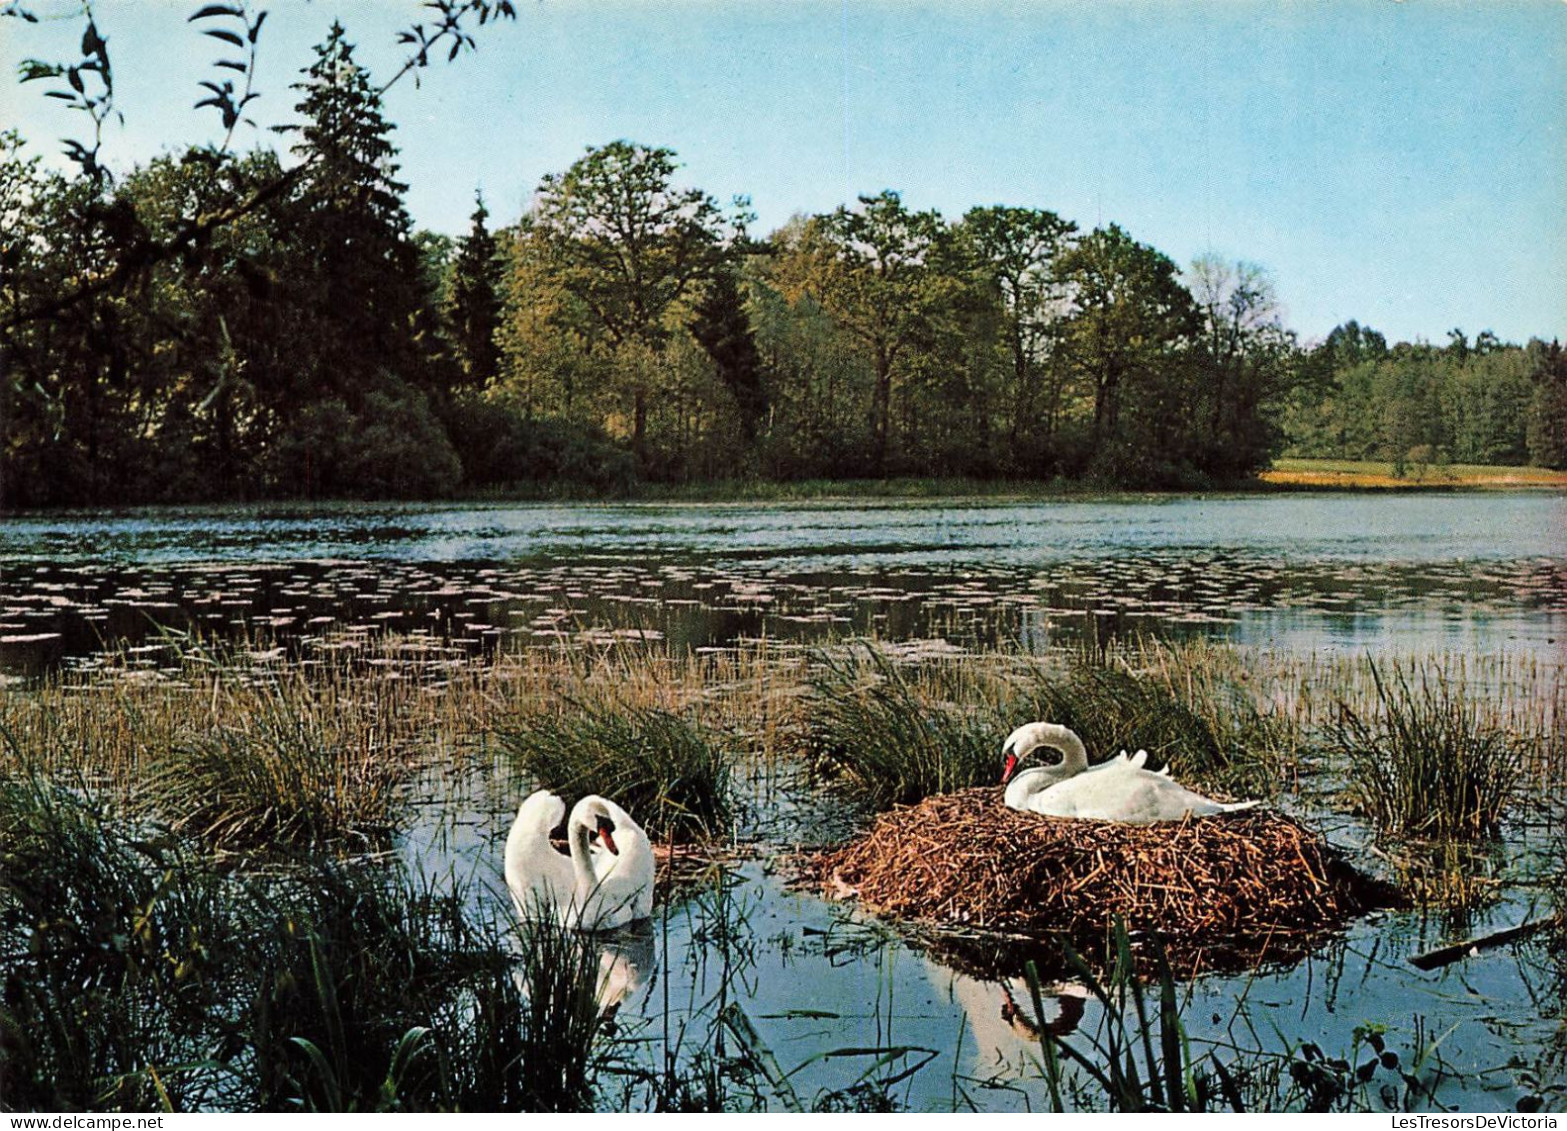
{"x": 138, "y": 977}
{"x": 1428, "y": 763}
{"x": 1141, "y": 1056}
{"x": 668, "y": 772}
{"x": 280, "y": 779}
{"x": 895, "y": 734}
{"x": 381, "y": 991}
{"x": 1241, "y": 882}
{"x": 116, "y": 947}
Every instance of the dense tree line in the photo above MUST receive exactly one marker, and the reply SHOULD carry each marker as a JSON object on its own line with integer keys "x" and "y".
{"x": 224, "y": 326}
{"x": 1479, "y": 402}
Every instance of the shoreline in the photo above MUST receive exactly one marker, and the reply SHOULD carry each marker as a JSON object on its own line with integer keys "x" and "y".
{"x": 1288, "y": 476}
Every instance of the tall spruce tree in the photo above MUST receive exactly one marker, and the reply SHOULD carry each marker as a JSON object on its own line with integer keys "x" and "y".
{"x": 354, "y": 418}
{"x": 474, "y": 309}
{"x": 724, "y": 329}
{"x": 357, "y": 278}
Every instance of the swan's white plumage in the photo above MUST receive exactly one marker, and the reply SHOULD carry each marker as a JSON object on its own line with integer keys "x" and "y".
{"x": 611, "y": 887}
{"x": 1120, "y": 789}
{"x": 539, "y": 878}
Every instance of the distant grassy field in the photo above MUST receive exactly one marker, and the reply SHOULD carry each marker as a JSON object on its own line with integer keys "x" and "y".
{"x": 1377, "y": 473}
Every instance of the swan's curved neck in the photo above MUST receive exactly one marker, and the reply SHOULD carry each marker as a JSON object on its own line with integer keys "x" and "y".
{"x": 524, "y": 831}
{"x": 581, "y": 837}
{"x": 1074, "y": 755}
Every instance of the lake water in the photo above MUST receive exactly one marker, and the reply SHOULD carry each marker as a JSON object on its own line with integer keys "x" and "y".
{"x": 1480, "y": 573}
{"x": 1385, "y": 574}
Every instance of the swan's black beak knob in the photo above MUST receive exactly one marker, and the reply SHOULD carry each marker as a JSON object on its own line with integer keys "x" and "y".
{"x": 606, "y": 829}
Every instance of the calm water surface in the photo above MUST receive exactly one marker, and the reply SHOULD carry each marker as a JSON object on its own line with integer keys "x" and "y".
{"x": 1318, "y": 572}
{"x": 1471, "y": 573}
{"x": 1290, "y": 529}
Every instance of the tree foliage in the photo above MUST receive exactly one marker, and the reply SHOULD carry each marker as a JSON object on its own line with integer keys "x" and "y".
{"x": 214, "y": 325}
{"x": 1481, "y": 402}
{"x": 1016, "y": 254}
{"x": 626, "y": 250}
{"x": 173, "y": 323}
{"x": 872, "y": 270}
{"x": 1129, "y": 339}
{"x": 474, "y": 303}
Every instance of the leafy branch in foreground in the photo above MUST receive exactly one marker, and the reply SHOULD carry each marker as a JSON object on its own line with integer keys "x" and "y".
{"x": 89, "y": 87}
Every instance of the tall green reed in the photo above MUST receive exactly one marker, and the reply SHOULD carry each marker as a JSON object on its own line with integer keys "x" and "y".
{"x": 382, "y": 992}
{"x": 1141, "y": 1059}
{"x": 138, "y": 977}
{"x": 1427, "y": 763}
{"x": 118, "y": 948}
{"x": 667, "y": 771}
{"x": 897, "y": 733}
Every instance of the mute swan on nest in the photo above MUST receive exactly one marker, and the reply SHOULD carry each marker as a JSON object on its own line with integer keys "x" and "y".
{"x": 1117, "y": 790}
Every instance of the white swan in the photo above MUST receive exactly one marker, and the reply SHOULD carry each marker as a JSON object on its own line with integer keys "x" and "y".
{"x": 1117, "y": 790}
{"x": 540, "y": 879}
{"x": 612, "y": 886}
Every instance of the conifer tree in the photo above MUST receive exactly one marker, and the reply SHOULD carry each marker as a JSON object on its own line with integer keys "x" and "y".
{"x": 356, "y": 282}
{"x": 355, "y": 417}
{"x": 724, "y": 329}
{"x": 474, "y": 311}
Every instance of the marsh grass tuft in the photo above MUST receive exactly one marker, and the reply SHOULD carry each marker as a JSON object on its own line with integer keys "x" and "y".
{"x": 897, "y": 734}
{"x": 115, "y": 946}
{"x": 282, "y": 778}
{"x": 138, "y": 977}
{"x": 379, "y": 991}
{"x": 1428, "y": 764}
{"x": 667, "y": 771}
{"x": 1177, "y": 702}
{"x": 562, "y": 1018}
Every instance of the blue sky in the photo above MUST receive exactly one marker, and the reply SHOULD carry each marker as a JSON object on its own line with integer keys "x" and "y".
{"x": 1403, "y": 164}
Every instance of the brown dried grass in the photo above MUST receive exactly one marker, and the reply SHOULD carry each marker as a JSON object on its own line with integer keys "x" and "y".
{"x": 965, "y": 860}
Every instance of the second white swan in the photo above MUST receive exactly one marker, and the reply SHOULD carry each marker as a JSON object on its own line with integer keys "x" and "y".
{"x": 1120, "y": 789}
{"x": 614, "y": 884}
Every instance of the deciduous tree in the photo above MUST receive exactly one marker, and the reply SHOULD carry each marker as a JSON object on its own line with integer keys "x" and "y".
{"x": 871, "y": 268}
{"x": 1130, "y": 323}
{"x": 1016, "y": 253}
{"x": 630, "y": 249}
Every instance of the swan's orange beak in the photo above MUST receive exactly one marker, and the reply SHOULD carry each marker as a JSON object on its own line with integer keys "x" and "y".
{"x": 1008, "y": 767}
{"x": 605, "y": 831}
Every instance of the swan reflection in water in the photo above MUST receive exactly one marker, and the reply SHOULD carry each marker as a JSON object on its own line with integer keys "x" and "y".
{"x": 1001, "y": 1016}
{"x": 626, "y": 960}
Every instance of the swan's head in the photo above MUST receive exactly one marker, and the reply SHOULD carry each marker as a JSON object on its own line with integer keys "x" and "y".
{"x": 1031, "y": 736}
{"x": 597, "y": 816}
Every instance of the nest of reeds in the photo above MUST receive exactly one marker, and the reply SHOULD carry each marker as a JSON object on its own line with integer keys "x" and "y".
{"x": 1241, "y": 881}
